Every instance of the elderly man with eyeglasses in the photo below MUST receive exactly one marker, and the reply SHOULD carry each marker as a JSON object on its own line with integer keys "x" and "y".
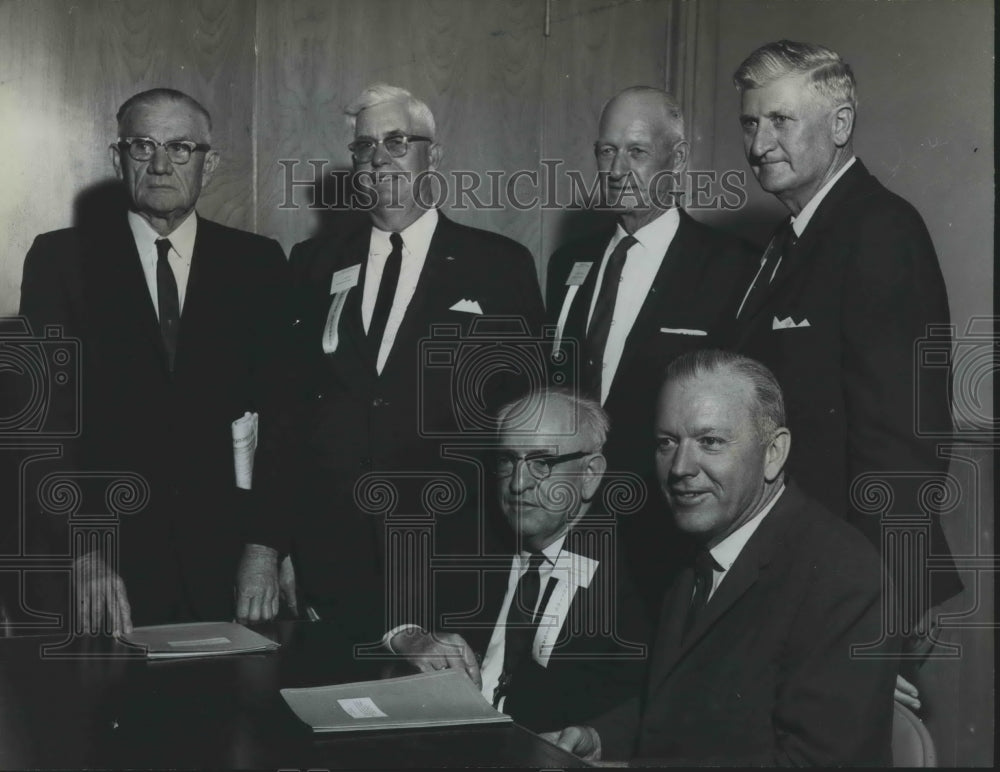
{"x": 367, "y": 300}
{"x": 179, "y": 319}
{"x": 559, "y": 630}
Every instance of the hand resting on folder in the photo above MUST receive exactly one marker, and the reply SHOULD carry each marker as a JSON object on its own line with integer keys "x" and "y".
{"x": 437, "y": 651}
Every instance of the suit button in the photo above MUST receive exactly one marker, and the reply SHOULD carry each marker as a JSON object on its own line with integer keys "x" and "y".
{"x": 378, "y": 402}
{"x": 319, "y": 395}
{"x": 296, "y": 322}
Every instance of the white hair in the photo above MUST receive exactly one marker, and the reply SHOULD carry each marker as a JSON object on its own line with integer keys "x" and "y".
{"x": 421, "y": 117}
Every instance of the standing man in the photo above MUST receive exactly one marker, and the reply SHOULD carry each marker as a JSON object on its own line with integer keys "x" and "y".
{"x": 178, "y": 318}
{"x": 753, "y": 662}
{"x": 848, "y": 285}
{"x": 654, "y": 284}
{"x": 366, "y": 300}
{"x": 561, "y": 634}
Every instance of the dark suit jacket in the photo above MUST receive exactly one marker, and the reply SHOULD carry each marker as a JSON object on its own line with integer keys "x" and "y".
{"x": 600, "y": 650}
{"x": 865, "y": 276}
{"x": 177, "y": 556}
{"x": 697, "y": 281}
{"x": 766, "y": 676}
{"x": 351, "y": 421}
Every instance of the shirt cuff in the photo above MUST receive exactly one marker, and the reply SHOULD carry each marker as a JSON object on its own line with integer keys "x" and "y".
{"x": 394, "y": 631}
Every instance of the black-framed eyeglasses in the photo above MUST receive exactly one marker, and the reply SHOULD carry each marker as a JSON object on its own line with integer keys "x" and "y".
{"x": 539, "y": 466}
{"x": 178, "y": 150}
{"x": 396, "y": 145}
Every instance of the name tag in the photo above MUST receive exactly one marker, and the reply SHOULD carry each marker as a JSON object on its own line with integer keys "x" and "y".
{"x": 345, "y": 278}
{"x": 578, "y": 275}
{"x": 343, "y": 281}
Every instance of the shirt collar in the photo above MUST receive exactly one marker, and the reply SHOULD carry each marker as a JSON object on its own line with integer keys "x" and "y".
{"x": 181, "y": 238}
{"x": 660, "y": 231}
{"x": 551, "y": 552}
{"x": 800, "y": 221}
{"x": 416, "y": 236}
{"x": 727, "y": 550}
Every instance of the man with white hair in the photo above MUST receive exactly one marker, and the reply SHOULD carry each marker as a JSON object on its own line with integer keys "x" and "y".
{"x": 560, "y": 634}
{"x": 835, "y": 307}
{"x": 365, "y": 301}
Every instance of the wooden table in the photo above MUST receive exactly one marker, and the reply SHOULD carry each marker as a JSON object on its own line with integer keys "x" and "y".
{"x": 90, "y": 704}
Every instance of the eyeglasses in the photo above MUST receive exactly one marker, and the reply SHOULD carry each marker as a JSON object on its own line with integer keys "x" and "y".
{"x": 178, "y": 150}
{"x": 539, "y": 467}
{"x": 396, "y": 145}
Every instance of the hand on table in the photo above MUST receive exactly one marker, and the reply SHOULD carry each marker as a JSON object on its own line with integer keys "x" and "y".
{"x": 437, "y": 651}
{"x": 257, "y": 584}
{"x": 582, "y": 741}
{"x": 101, "y": 600}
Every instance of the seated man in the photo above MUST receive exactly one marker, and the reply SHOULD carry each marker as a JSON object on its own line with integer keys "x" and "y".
{"x": 752, "y": 663}
{"x": 561, "y": 636}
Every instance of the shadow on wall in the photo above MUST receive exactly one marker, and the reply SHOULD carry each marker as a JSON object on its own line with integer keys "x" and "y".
{"x": 99, "y": 204}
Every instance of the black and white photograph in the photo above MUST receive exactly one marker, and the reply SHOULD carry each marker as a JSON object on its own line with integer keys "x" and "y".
{"x": 419, "y": 384}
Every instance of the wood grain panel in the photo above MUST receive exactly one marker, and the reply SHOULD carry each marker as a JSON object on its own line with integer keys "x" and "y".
{"x": 476, "y": 64}
{"x": 68, "y": 66}
{"x": 596, "y": 49}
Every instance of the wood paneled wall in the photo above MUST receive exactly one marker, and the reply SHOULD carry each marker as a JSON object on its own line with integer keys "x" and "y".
{"x": 276, "y": 75}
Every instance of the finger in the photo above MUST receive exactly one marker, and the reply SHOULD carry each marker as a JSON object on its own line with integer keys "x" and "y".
{"x": 905, "y": 699}
{"x": 905, "y": 686}
{"x": 273, "y": 606}
{"x": 124, "y": 609}
{"x": 471, "y": 666}
{"x": 551, "y": 737}
{"x": 253, "y": 613}
{"x": 242, "y": 603}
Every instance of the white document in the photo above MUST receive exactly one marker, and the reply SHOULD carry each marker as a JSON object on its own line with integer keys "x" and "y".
{"x": 244, "y": 449}
{"x": 442, "y": 698}
{"x": 467, "y": 306}
{"x": 197, "y": 639}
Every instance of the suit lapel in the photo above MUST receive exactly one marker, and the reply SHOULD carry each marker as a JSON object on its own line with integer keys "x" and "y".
{"x": 576, "y": 322}
{"x": 758, "y": 552}
{"x": 119, "y": 280}
{"x": 683, "y": 247}
{"x": 795, "y": 264}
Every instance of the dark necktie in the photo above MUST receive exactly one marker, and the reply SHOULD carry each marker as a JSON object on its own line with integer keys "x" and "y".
{"x": 386, "y": 294}
{"x": 522, "y": 622}
{"x": 167, "y": 300}
{"x": 704, "y": 571}
{"x": 776, "y": 253}
{"x": 600, "y": 322}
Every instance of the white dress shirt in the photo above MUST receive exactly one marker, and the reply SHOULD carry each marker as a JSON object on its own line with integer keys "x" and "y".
{"x": 800, "y": 221}
{"x": 416, "y": 242}
{"x": 557, "y": 565}
{"x": 641, "y": 265}
{"x": 727, "y": 550}
{"x": 179, "y": 257}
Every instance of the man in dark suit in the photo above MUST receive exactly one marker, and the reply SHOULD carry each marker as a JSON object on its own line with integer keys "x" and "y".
{"x": 177, "y": 318}
{"x": 560, "y": 634}
{"x": 836, "y": 307}
{"x": 651, "y": 286}
{"x": 392, "y": 319}
{"x": 753, "y": 662}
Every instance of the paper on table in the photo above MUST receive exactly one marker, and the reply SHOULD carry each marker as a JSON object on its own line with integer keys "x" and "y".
{"x": 442, "y": 698}
{"x": 197, "y": 639}
{"x": 244, "y": 448}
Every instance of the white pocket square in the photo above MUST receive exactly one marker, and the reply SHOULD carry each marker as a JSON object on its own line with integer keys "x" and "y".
{"x": 788, "y": 323}
{"x": 467, "y": 306}
{"x": 682, "y": 331}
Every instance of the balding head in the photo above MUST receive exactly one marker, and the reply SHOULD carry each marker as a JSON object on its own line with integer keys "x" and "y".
{"x": 641, "y": 153}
